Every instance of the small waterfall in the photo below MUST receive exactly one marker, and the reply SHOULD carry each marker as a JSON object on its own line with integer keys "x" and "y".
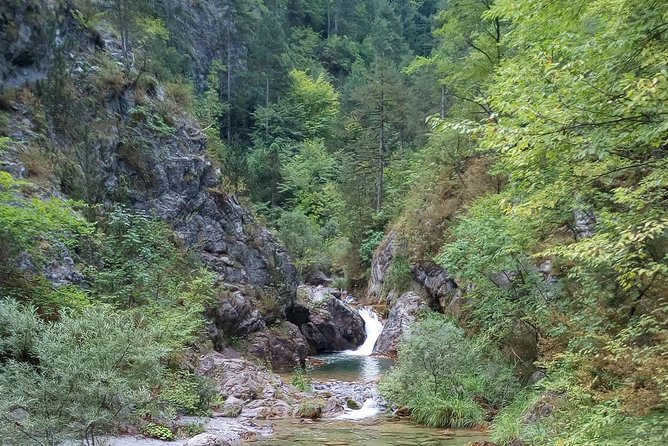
{"x": 368, "y": 409}
{"x": 372, "y": 326}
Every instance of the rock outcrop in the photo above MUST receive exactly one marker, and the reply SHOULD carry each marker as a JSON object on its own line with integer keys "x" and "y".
{"x": 442, "y": 291}
{"x": 244, "y": 380}
{"x": 401, "y": 317}
{"x": 427, "y": 278}
{"x": 282, "y": 347}
{"x": 332, "y": 325}
{"x": 380, "y": 266}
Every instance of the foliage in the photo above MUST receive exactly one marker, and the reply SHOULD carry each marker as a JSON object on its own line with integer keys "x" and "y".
{"x": 73, "y": 378}
{"x": 153, "y": 430}
{"x": 25, "y": 221}
{"x": 188, "y": 393}
{"x": 399, "y": 275}
{"x": 302, "y": 378}
{"x": 443, "y": 386}
{"x": 141, "y": 267}
{"x": 302, "y": 239}
{"x": 369, "y": 245}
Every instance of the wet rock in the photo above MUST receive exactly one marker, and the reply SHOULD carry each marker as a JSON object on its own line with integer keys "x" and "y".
{"x": 401, "y": 317}
{"x": 282, "y": 346}
{"x": 267, "y": 409}
{"x": 332, "y": 324}
{"x": 207, "y": 439}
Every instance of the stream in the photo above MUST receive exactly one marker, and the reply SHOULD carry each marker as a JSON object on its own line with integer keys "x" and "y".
{"x": 369, "y": 425}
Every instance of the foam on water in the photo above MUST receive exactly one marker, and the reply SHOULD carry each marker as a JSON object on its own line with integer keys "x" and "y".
{"x": 372, "y": 326}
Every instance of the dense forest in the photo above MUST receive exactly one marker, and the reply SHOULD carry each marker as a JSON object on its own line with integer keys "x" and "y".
{"x": 517, "y": 147}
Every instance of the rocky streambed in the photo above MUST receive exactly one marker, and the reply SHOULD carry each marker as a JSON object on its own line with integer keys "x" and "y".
{"x": 342, "y": 407}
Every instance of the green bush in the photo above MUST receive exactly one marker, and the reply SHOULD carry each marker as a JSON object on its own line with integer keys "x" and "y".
{"x": 369, "y": 244}
{"x": 442, "y": 375}
{"x": 188, "y": 393}
{"x": 158, "y": 431}
{"x": 302, "y": 378}
{"x": 76, "y": 378}
{"x": 399, "y": 275}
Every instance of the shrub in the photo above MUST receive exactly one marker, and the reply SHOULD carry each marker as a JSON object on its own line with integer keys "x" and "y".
{"x": 399, "y": 275}
{"x": 158, "y": 431}
{"x": 76, "y": 378}
{"x": 443, "y": 376}
{"x": 369, "y": 244}
{"x": 302, "y": 379}
{"x": 188, "y": 393}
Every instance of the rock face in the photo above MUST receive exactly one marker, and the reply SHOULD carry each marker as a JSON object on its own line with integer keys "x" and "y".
{"x": 427, "y": 278}
{"x": 282, "y": 347}
{"x": 440, "y": 288}
{"x": 331, "y": 325}
{"x": 380, "y": 266}
{"x": 401, "y": 317}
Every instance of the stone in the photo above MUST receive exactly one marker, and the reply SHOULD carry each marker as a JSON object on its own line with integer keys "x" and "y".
{"x": 380, "y": 266}
{"x": 242, "y": 379}
{"x": 401, "y": 317}
{"x": 207, "y": 439}
{"x": 267, "y": 409}
{"x": 332, "y": 324}
{"x": 234, "y": 315}
{"x": 441, "y": 289}
{"x": 282, "y": 346}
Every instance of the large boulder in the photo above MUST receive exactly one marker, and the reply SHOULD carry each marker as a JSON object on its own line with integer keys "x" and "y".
{"x": 244, "y": 380}
{"x": 283, "y": 347}
{"x": 207, "y": 439}
{"x": 401, "y": 317}
{"x": 332, "y": 324}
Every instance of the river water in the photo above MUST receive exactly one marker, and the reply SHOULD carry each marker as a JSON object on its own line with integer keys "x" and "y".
{"x": 367, "y": 426}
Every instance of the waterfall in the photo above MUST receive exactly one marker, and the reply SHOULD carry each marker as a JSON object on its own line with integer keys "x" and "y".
{"x": 369, "y": 409}
{"x": 372, "y": 326}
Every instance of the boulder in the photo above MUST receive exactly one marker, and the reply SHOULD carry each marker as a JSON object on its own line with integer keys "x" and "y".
{"x": 332, "y": 324}
{"x": 282, "y": 346}
{"x": 243, "y": 380}
{"x": 401, "y": 317}
{"x": 207, "y": 439}
{"x": 267, "y": 409}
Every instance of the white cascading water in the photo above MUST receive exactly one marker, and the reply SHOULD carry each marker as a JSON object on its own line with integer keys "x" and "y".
{"x": 372, "y": 326}
{"x": 370, "y": 367}
{"x": 368, "y": 409}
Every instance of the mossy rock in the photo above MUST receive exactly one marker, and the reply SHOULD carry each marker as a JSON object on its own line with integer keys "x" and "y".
{"x": 352, "y": 404}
